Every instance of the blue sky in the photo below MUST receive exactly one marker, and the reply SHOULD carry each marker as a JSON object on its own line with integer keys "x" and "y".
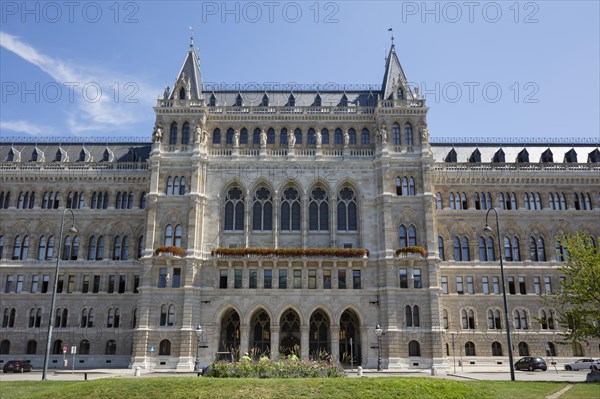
{"x": 488, "y": 69}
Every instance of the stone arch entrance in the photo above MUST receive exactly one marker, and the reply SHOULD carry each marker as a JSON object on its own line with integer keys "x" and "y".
{"x": 319, "y": 344}
{"x": 350, "y": 350}
{"x": 230, "y": 333}
{"x": 289, "y": 337}
{"x": 260, "y": 334}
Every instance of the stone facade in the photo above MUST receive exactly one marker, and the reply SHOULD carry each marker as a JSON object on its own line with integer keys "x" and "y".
{"x": 288, "y": 169}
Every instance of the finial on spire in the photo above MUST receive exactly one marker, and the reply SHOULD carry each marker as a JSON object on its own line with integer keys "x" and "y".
{"x": 392, "y": 33}
{"x": 191, "y": 37}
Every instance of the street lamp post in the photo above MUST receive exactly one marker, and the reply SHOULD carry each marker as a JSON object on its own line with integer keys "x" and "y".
{"x": 197, "y": 362}
{"x": 378, "y": 332}
{"x": 506, "y": 318}
{"x": 53, "y": 302}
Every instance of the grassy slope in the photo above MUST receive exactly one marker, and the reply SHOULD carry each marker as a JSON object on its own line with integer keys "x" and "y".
{"x": 343, "y": 388}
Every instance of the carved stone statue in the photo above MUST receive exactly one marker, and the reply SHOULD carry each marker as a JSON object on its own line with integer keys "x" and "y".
{"x": 236, "y": 139}
{"x": 291, "y": 139}
{"x": 424, "y": 132}
{"x": 319, "y": 139}
{"x": 157, "y": 133}
{"x": 263, "y": 139}
{"x": 346, "y": 138}
{"x": 167, "y": 93}
{"x": 383, "y": 134}
{"x": 188, "y": 88}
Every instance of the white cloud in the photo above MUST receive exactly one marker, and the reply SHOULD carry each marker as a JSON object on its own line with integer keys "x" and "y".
{"x": 26, "y": 127}
{"x": 103, "y": 110}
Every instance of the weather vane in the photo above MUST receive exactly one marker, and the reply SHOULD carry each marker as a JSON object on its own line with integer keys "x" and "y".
{"x": 392, "y": 33}
{"x": 191, "y": 36}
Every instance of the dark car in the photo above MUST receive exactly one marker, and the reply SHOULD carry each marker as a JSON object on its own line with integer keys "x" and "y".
{"x": 17, "y": 366}
{"x": 531, "y": 364}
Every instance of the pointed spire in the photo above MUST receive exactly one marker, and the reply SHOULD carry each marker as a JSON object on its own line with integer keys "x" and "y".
{"x": 394, "y": 78}
{"x": 188, "y": 84}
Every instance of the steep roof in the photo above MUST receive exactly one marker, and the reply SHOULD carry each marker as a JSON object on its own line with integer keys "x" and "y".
{"x": 189, "y": 72}
{"x": 394, "y": 77}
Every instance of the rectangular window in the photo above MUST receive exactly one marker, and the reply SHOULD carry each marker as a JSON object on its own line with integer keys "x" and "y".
{"x": 9, "y": 283}
{"x": 96, "y": 286}
{"x": 459, "y": 285}
{"x": 445, "y": 284}
{"x": 403, "y": 278}
{"x": 136, "y": 283}
{"x": 283, "y": 278}
{"x": 34, "y": 283}
{"x": 312, "y": 279}
{"x": 485, "y": 285}
{"x": 45, "y": 282}
{"x": 111, "y": 283}
{"x": 223, "y": 278}
{"x": 511, "y": 286}
{"x": 268, "y": 278}
{"x": 253, "y": 280}
{"x": 342, "y": 279}
{"x": 70, "y": 283}
{"x": 176, "y": 278}
{"x": 237, "y": 278}
{"x": 297, "y": 278}
{"x": 547, "y": 285}
{"x": 327, "y": 278}
{"x": 162, "y": 277}
{"x": 356, "y": 279}
{"x": 536, "y": 286}
{"x": 470, "y": 289}
{"x": 522, "y": 287}
{"x": 61, "y": 283}
{"x": 85, "y": 287}
{"x": 417, "y": 278}
{"x": 19, "y": 287}
{"x": 122, "y": 283}
{"x": 496, "y": 285}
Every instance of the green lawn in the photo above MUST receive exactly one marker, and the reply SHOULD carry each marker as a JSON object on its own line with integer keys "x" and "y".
{"x": 342, "y": 388}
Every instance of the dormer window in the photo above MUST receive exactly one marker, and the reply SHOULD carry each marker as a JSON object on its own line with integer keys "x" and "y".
{"x": 547, "y": 156}
{"x": 81, "y": 156}
{"x": 400, "y": 94}
{"x": 238, "y": 100}
{"x": 34, "y": 155}
{"x": 370, "y": 100}
{"x": 182, "y": 94}
{"x": 451, "y": 157}
{"x": 291, "y": 101}
{"x": 105, "y": 156}
{"x": 499, "y": 157}
{"x": 265, "y": 101}
{"x": 58, "y": 157}
{"x": 594, "y": 156}
{"x": 212, "y": 102}
{"x": 475, "y": 156}
{"x": 523, "y": 156}
{"x": 571, "y": 156}
{"x": 344, "y": 101}
{"x": 318, "y": 100}
{"x": 11, "y": 156}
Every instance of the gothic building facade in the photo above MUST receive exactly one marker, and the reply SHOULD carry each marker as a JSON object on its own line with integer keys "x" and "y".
{"x": 289, "y": 221}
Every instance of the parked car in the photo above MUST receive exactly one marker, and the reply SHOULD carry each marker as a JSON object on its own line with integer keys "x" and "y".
{"x": 584, "y": 364}
{"x": 531, "y": 364}
{"x": 17, "y": 366}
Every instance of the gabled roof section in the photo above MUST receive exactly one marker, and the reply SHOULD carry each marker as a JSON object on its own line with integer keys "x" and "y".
{"x": 189, "y": 77}
{"x": 394, "y": 78}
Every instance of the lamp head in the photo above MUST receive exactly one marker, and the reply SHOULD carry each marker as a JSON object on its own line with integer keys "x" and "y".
{"x": 198, "y": 328}
{"x": 73, "y": 230}
{"x": 487, "y": 228}
{"x": 378, "y": 330}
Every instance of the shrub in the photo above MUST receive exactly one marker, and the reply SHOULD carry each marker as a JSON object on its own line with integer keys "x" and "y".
{"x": 414, "y": 249}
{"x": 176, "y": 251}
{"x": 266, "y": 368}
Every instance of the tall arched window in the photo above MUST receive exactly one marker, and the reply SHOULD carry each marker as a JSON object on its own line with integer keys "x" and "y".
{"x": 229, "y": 136}
{"x": 347, "y": 210}
{"x": 365, "y": 137}
{"x": 111, "y": 347}
{"x": 217, "y": 136}
{"x": 262, "y": 210}
{"x": 414, "y": 348}
{"x": 469, "y": 349}
{"x": 439, "y": 204}
{"x": 408, "y": 134}
{"x": 270, "y": 136}
{"x": 496, "y": 348}
{"x": 185, "y": 133}
{"x": 244, "y": 136}
{"x": 351, "y": 136}
{"x": 84, "y": 347}
{"x": 310, "y": 136}
{"x": 337, "y": 137}
{"x": 164, "y": 349}
{"x": 173, "y": 133}
{"x": 298, "y": 135}
{"x": 234, "y": 209}
{"x": 325, "y": 136}
{"x": 290, "y": 210}
{"x": 283, "y": 138}
{"x": 523, "y": 349}
{"x": 168, "y": 235}
{"x": 395, "y": 134}
{"x": 318, "y": 210}
{"x": 441, "y": 251}
{"x": 465, "y": 254}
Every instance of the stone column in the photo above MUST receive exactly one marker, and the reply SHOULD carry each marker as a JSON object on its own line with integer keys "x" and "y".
{"x": 275, "y": 328}
{"x": 304, "y": 338}
{"x": 244, "y": 339}
{"x": 276, "y": 206}
{"x": 335, "y": 341}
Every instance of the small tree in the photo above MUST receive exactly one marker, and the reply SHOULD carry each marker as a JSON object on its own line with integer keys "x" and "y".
{"x": 578, "y": 299}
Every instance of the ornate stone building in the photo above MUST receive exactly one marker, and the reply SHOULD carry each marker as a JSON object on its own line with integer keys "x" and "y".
{"x": 308, "y": 179}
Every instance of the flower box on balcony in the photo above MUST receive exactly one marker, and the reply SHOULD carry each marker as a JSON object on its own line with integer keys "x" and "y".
{"x": 411, "y": 251}
{"x": 165, "y": 250}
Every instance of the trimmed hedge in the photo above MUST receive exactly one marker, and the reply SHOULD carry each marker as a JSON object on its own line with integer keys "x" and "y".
{"x": 266, "y": 368}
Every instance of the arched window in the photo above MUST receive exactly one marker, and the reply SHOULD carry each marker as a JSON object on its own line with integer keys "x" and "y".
{"x": 229, "y": 136}
{"x": 337, "y": 137}
{"x": 113, "y": 318}
{"x": 439, "y": 204}
{"x": 398, "y": 186}
{"x": 92, "y": 248}
{"x": 551, "y": 349}
{"x": 270, "y": 136}
{"x": 175, "y": 190}
{"x": 163, "y": 315}
{"x": 456, "y": 246}
{"x": 20, "y": 248}
{"x": 234, "y": 209}
{"x": 117, "y": 248}
{"x": 445, "y": 321}
{"x": 411, "y": 186}
{"x": 87, "y": 318}
{"x": 182, "y": 186}
{"x": 577, "y": 349}
{"x": 403, "y": 236}
{"x": 62, "y": 315}
{"x": 168, "y": 235}
{"x": 310, "y": 136}
{"x": 5, "y": 347}
{"x": 244, "y": 136}
{"x": 164, "y": 349}
{"x": 452, "y": 201}
{"x": 173, "y": 134}
{"x": 169, "y": 190}
{"x": 351, "y": 136}
{"x": 185, "y": 133}
{"x": 31, "y": 347}
{"x": 325, "y": 136}
{"x": 298, "y": 135}
{"x": 217, "y": 136}
{"x": 143, "y": 200}
{"x": 395, "y": 134}
{"x": 182, "y": 94}
{"x": 290, "y": 210}
{"x": 42, "y": 248}
{"x": 404, "y": 186}
{"x": 111, "y": 347}
{"x": 537, "y": 250}
{"x": 465, "y": 254}
{"x": 262, "y": 210}
{"x": 365, "y": 137}
{"x": 318, "y": 210}
{"x": 177, "y": 236}
{"x": 347, "y": 210}
{"x": 469, "y": 349}
{"x": 408, "y": 315}
{"x": 283, "y": 139}
{"x": 494, "y": 320}
{"x": 9, "y": 317}
{"x": 408, "y": 134}
{"x": 441, "y": 251}
{"x": 523, "y": 349}
{"x": 414, "y": 349}
{"x": 496, "y": 348}
{"x": 84, "y": 347}
{"x": 171, "y": 315}
{"x": 468, "y": 319}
